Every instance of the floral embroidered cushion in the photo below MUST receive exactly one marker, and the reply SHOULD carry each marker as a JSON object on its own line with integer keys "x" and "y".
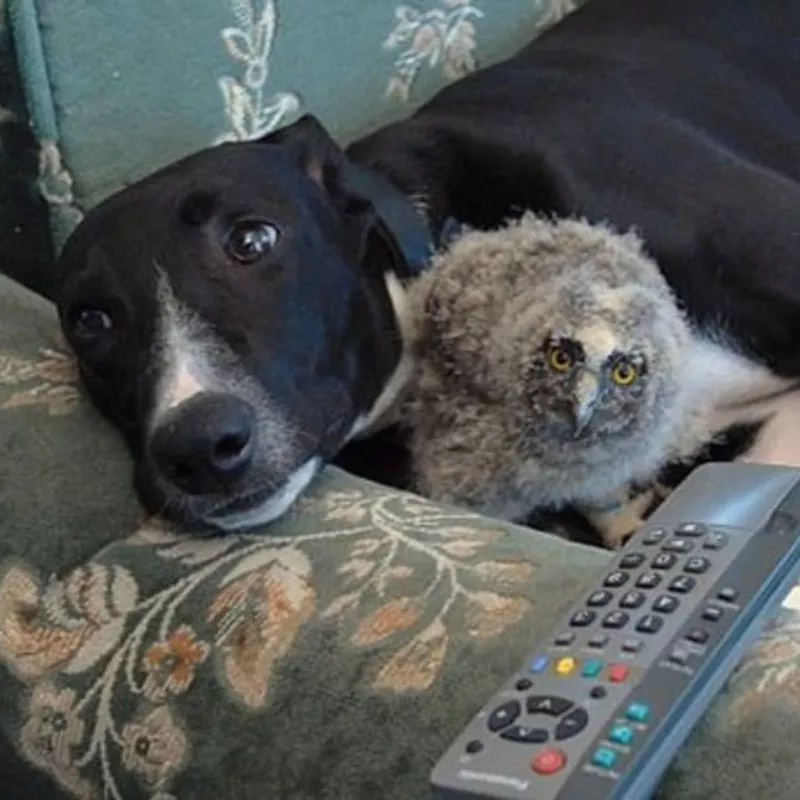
{"x": 117, "y": 89}
{"x": 331, "y": 656}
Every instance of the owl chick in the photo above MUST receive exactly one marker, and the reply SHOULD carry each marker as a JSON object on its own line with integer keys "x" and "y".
{"x": 550, "y": 374}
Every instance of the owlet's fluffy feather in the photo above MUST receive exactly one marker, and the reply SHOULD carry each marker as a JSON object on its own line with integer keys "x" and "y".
{"x": 550, "y": 373}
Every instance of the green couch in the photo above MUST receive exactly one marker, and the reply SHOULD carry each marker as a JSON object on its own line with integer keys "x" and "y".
{"x": 333, "y": 655}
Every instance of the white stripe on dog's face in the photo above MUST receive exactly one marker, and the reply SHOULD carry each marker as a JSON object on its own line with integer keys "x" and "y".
{"x": 182, "y": 352}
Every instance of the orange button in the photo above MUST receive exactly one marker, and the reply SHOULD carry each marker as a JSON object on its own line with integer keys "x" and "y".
{"x": 618, "y": 673}
{"x": 548, "y": 762}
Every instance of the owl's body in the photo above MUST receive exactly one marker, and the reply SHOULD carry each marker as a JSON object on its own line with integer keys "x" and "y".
{"x": 552, "y": 372}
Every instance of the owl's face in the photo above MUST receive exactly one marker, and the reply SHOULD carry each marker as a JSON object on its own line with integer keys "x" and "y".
{"x": 585, "y": 384}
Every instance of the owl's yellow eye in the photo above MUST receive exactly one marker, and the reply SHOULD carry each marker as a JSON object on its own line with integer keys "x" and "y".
{"x": 624, "y": 373}
{"x": 559, "y": 358}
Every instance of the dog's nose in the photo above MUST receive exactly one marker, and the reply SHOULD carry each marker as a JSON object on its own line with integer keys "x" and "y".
{"x": 205, "y": 443}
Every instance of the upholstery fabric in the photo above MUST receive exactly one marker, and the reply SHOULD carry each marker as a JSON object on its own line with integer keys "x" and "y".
{"x": 25, "y": 246}
{"x": 330, "y": 656}
{"x": 160, "y": 80}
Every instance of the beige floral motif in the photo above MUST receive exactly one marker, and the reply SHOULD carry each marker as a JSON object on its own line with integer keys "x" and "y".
{"x": 250, "y": 111}
{"x": 259, "y": 616}
{"x": 155, "y": 747}
{"x": 49, "y": 381}
{"x": 394, "y": 617}
{"x": 553, "y": 11}
{"x": 415, "y": 667}
{"x": 444, "y": 34}
{"x": 52, "y": 734}
{"x": 489, "y": 614}
{"x": 171, "y": 665}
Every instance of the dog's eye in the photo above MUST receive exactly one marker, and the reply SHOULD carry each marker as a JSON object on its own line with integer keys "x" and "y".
{"x": 250, "y": 240}
{"x": 89, "y": 324}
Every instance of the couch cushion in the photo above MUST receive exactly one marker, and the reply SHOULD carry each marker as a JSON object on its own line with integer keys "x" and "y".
{"x": 157, "y": 80}
{"x": 332, "y": 655}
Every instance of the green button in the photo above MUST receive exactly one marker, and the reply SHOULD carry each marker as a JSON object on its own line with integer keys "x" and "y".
{"x": 604, "y": 757}
{"x": 591, "y": 669}
{"x": 637, "y": 712}
{"x": 621, "y": 734}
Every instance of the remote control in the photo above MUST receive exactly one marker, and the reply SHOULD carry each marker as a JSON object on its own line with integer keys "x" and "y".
{"x": 600, "y": 708}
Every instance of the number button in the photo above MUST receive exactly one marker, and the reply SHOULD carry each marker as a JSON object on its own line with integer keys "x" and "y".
{"x": 678, "y": 546}
{"x": 582, "y": 618}
{"x": 615, "y": 620}
{"x": 697, "y": 565}
{"x": 632, "y": 600}
{"x": 650, "y": 623}
{"x": 601, "y": 598}
{"x": 648, "y": 580}
{"x": 682, "y": 584}
{"x": 615, "y": 580}
{"x": 631, "y": 561}
{"x": 666, "y": 604}
{"x": 663, "y": 561}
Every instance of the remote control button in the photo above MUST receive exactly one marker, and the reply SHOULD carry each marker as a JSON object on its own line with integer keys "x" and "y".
{"x": 648, "y": 580}
{"x": 549, "y": 704}
{"x": 565, "y": 666}
{"x": 678, "y": 546}
{"x": 679, "y": 655}
{"x": 616, "y": 620}
{"x": 698, "y": 636}
{"x": 621, "y": 734}
{"x": 632, "y": 600}
{"x": 637, "y": 712}
{"x": 604, "y": 757}
{"x": 523, "y": 684}
{"x": 650, "y": 623}
{"x": 525, "y": 734}
{"x": 618, "y": 673}
{"x": 712, "y": 614}
{"x": 564, "y": 639}
{"x": 665, "y": 604}
{"x": 503, "y": 715}
{"x": 663, "y": 561}
{"x": 598, "y": 641}
{"x": 691, "y": 529}
{"x": 654, "y": 536}
{"x": 715, "y": 541}
{"x": 582, "y": 618}
{"x": 615, "y": 580}
{"x": 474, "y": 746}
{"x": 682, "y": 584}
{"x": 591, "y": 669}
{"x": 539, "y": 664}
{"x": 697, "y": 565}
{"x": 632, "y": 645}
{"x": 601, "y": 598}
{"x": 549, "y": 762}
{"x": 572, "y": 724}
{"x": 728, "y": 595}
{"x": 631, "y": 561}
{"x": 598, "y": 692}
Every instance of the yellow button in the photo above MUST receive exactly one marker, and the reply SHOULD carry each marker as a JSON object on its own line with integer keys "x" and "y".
{"x": 565, "y": 666}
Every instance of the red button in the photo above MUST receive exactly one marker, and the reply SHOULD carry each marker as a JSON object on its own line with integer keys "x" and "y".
{"x": 618, "y": 673}
{"x": 548, "y": 762}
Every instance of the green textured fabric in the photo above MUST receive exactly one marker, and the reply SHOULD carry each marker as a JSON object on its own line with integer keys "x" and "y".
{"x": 26, "y": 252}
{"x": 331, "y": 656}
{"x": 117, "y": 89}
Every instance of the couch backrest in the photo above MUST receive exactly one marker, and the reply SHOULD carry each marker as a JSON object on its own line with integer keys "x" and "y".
{"x": 118, "y": 88}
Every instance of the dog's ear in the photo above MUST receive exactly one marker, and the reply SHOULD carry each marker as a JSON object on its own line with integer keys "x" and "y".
{"x": 313, "y": 149}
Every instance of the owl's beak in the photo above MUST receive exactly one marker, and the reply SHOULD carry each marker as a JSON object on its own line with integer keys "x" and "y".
{"x": 587, "y": 393}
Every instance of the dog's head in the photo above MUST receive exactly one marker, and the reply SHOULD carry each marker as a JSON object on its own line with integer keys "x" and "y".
{"x": 232, "y": 315}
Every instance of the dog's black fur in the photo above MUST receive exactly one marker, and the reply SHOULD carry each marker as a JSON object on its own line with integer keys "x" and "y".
{"x": 680, "y": 118}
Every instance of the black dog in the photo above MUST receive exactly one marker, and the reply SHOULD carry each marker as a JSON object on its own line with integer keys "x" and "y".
{"x": 239, "y": 314}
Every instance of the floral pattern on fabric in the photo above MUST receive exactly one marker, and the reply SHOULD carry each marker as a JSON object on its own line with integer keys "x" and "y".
{"x": 251, "y": 111}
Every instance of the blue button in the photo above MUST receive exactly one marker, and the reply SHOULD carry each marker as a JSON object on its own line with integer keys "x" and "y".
{"x": 637, "y": 712}
{"x": 539, "y": 664}
{"x": 591, "y": 669}
{"x": 621, "y": 734}
{"x": 604, "y": 757}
